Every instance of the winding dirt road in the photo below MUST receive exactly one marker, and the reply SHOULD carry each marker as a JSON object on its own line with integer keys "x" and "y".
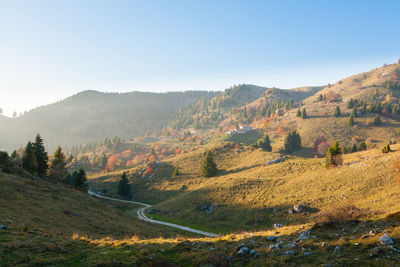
{"x": 142, "y": 216}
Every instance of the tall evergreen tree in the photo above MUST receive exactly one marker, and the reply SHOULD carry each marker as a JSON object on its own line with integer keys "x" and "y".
{"x": 80, "y": 180}
{"x": 351, "y": 120}
{"x": 57, "y": 168}
{"x": 353, "y": 148}
{"x": 298, "y": 114}
{"x": 208, "y": 167}
{"x": 41, "y": 155}
{"x": 377, "y": 120}
{"x": 333, "y": 155}
{"x": 304, "y": 114}
{"x": 264, "y": 143}
{"x": 292, "y": 142}
{"x": 123, "y": 186}
{"x": 29, "y": 161}
{"x": 337, "y": 111}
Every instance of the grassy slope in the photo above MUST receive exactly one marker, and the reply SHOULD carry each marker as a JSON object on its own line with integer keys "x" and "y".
{"x": 43, "y": 217}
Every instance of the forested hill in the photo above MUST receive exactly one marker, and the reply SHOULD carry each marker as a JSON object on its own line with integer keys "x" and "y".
{"x": 92, "y": 115}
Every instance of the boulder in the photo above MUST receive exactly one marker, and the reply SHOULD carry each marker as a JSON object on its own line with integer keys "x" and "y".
{"x": 277, "y": 225}
{"x": 271, "y": 238}
{"x": 386, "y": 240}
{"x": 289, "y": 253}
{"x": 304, "y": 235}
{"x": 243, "y": 251}
{"x": 298, "y": 208}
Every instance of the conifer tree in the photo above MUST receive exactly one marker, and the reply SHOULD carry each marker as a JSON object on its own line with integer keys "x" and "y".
{"x": 41, "y": 155}
{"x": 123, "y": 186}
{"x": 333, "y": 155}
{"x": 264, "y": 143}
{"x": 208, "y": 167}
{"x": 364, "y": 109}
{"x": 29, "y": 158}
{"x": 353, "y": 148}
{"x": 362, "y": 146}
{"x": 176, "y": 172}
{"x": 337, "y": 111}
{"x": 298, "y": 114}
{"x": 304, "y": 114}
{"x": 80, "y": 181}
{"x": 354, "y": 112}
{"x": 377, "y": 120}
{"x": 351, "y": 120}
{"x": 57, "y": 168}
{"x": 292, "y": 142}
{"x": 386, "y": 149}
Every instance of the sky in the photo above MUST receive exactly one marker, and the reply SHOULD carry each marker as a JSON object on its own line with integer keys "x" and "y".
{"x": 50, "y": 50}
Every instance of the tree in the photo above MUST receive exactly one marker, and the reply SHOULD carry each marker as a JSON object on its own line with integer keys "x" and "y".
{"x": 57, "y": 168}
{"x": 337, "y": 111}
{"x": 292, "y": 142}
{"x": 264, "y": 143}
{"x": 351, "y": 120}
{"x": 364, "y": 109}
{"x": 333, "y": 155}
{"x": 350, "y": 103}
{"x": 41, "y": 155}
{"x": 362, "y": 146}
{"x": 304, "y": 114}
{"x": 29, "y": 161}
{"x": 386, "y": 149}
{"x": 298, "y": 114}
{"x": 353, "y": 148}
{"x": 123, "y": 186}
{"x": 208, "y": 167}
{"x": 14, "y": 114}
{"x": 80, "y": 181}
{"x": 176, "y": 172}
{"x": 377, "y": 120}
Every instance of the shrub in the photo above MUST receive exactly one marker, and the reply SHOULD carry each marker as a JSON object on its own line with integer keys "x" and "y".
{"x": 351, "y": 120}
{"x": 298, "y": 114}
{"x": 339, "y": 215}
{"x": 362, "y": 146}
{"x": 263, "y": 143}
{"x": 377, "y": 120}
{"x": 333, "y": 155}
{"x": 304, "y": 114}
{"x": 386, "y": 149}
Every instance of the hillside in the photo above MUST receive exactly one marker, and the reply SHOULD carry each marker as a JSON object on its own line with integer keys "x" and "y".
{"x": 92, "y": 116}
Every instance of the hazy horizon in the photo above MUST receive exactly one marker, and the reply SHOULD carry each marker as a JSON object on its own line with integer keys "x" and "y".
{"x": 53, "y": 50}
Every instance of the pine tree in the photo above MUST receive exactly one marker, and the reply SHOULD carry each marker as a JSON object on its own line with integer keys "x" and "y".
{"x": 298, "y": 114}
{"x": 337, "y": 111}
{"x": 354, "y": 112}
{"x": 80, "y": 181}
{"x": 333, "y": 155}
{"x": 176, "y": 172}
{"x": 353, "y": 148}
{"x": 292, "y": 142}
{"x": 351, "y": 120}
{"x": 364, "y": 109}
{"x": 208, "y": 167}
{"x": 362, "y": 146}
{"x": 264, "y": 143}
{"x": 29, "y": 158}
{"x": 57, "y": 168}
{"x": 41, "y": 156}
{"x": 377, "y": 120}
{"x": 123, "y": 186}
{"x": 304, "y": 114}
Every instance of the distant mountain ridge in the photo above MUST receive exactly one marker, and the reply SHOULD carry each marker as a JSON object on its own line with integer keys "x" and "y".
{"x": 91, "y": 116}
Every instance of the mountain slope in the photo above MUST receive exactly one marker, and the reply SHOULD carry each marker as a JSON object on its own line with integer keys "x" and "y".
{"x": 92, "y": 116}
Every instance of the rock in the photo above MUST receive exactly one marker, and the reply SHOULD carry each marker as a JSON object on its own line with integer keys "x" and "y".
{"x": 4, "y": 227}
{"x": 356, "y": 244}
{"x": 323, "y": 244}
{"x": 386, "y": 240}
{"x": 243, "y": 251}
{"x": 298, "y": 208}
{"x": 252, "y": 242}
{"x": 304, "y": 235}
{"x": 272, "y": 246}
{"x": 337, "y": 249}
{"x": 292, "y": 245}
{"x": 271, "y": 238}
{"x": 289, "y": 253}
{"x": 278, "y": 225}
{"x": 253, "y": 251}
{"x": 307, "y": 253}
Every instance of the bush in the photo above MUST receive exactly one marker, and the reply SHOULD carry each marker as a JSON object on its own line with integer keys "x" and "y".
{"x": 351, "y": 120}
{"x": 304, "y": 114}
{"x": 377, "y": 120}
{"x": 333, "y": 155}
{"x": 292, "y": 142}
{"x": 338, "y": 215}
{"x": 337, "y": 112}
{"x": 386, "y": 149}
{"x": 298, "y": 114}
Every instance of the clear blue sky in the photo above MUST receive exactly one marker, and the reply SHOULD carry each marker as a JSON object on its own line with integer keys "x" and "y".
{"x": 52, "y": 49}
